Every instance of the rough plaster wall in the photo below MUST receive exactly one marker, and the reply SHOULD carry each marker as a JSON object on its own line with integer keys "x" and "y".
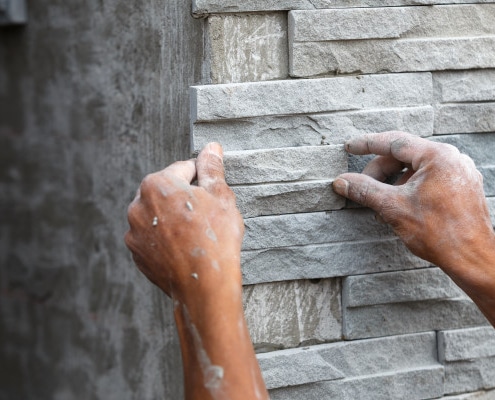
{"x": 336, "y": 306}
{"x": 93, "y": 95}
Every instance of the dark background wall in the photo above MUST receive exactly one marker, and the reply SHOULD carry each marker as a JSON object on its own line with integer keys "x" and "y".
{"x": 93, "y": 95}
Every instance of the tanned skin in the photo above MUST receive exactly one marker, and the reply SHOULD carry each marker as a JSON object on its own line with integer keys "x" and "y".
{"x": 187, "y": 240}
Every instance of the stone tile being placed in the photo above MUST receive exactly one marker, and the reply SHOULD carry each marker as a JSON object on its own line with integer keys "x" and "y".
{"x": 398, "y": 287}
{"x": 241, "y": 100}
{"x": 246, "y": 48}
{"x": 311, "y": 130}
{"x": 359, "y": 358}
{"x": 286, "y": 198}
{"x": 327, "y": 260}
{"x": 288, "y": 314}
{"x": 284, "y": 165}
{"x": 310, "y": 171}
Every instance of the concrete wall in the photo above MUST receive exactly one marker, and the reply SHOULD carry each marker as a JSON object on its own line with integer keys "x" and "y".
{"x": 336, "y": 306}
{"x": 93, "y": 95}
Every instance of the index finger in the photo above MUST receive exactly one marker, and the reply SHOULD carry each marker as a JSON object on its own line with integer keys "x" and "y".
{"x": 402, "y": 146}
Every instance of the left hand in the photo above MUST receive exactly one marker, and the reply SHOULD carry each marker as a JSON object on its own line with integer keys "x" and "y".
{"x": 186, "y": 238}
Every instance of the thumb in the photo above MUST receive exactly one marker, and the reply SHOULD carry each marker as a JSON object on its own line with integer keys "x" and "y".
{"x": 364, "y": 190}
{"x": 210, "y": 171}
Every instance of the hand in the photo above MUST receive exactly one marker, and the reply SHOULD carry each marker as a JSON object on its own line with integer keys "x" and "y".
{"x": 186, "y": 238}
{"x": 437, "y": 207}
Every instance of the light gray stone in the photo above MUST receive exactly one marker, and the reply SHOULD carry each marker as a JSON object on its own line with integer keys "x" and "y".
{"x": 480, "y": 147}
{"x": 491, "y": 208}
{"x": 483, "y": 395}
{"x": 311, "y": 130}
{"x": 289, "y": 314}
{"x": 287, "y": 198}
{"x": 327, "y": 260}
{"x": 247, "y": 47}
{"x": 405, "y": 55}
{"x": 425, "y": 383}
{"x": 465, "y": 118}
{"x": 313, "y": 228}
{"x": 466, "y": 344}
{"x": 284, "y": 165}
{"x": 241, "y": 100}
{"x": 350, "y": 359}
{"x": 400, "y": 22}
{"x": 488, "y": 180}
{"x": 464, "y": 86}
{"x": 468, "y": 376}
{"x": 398, "y": 287}
{"x": 395, "y": 319}
{"x": 202, "y": 8}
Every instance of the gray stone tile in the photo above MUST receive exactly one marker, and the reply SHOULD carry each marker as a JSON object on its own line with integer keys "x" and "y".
{"x": 424, "y": 383}
{"x": 404, "y": 55}
{"x": 398, "y": 287}
{"x": 463, "y": 86}
{"x": 289, "y": 314}
{"x": 327, "y": 260}
{"x": 241, "y": 100}
{"x": 465, "y": 118}
{"x": 394, "y": 319}
{"x": 284, "y": 165}
{"x": 311, "y": 130}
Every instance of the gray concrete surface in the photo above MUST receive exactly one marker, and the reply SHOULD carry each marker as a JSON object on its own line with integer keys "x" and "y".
{"x": 93, "y": 95}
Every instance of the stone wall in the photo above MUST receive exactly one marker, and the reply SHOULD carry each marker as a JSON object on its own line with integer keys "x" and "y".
{"x": 337, "y": 307}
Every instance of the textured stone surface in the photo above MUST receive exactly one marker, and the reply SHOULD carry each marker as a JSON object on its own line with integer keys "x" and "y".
{"x": 313, "y": 228}
{"x": 491, "y": 207}
{"x": 398, "y": 287}
{"x": 350, "y": 359}
{"x": 202, "y": 7}
{"x": 468, "y": 376}
{"x": 290, "y": 314}
{"x": 481, "y": 148}
{"x": 233, "y": 101}
{"x": 395, "y": 319}
{"x": 405, "y": 55}
{"x": 466, "y": 344}
{"x": 285, "y": 165}
{"x": 326, "y": 260}
{"x": 246, "y": 48}
{"x": 464, "y": 86}
{"x": 401, "y": 22}
{"x": 311, "y": 130}
{"x": 285, "y": 198}
{"x": 465, "y": 118}
{"x": 481, "y": 395}
{"x": 425, "y": 383}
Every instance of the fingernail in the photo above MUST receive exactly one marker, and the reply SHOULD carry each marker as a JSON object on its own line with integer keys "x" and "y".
{"x": 215, "y": 148}
{"x": 340, "y": 186}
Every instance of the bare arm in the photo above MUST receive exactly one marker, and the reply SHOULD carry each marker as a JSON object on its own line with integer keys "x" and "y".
{"x": 187, "y": 240}
{"x": 437, "y": 207}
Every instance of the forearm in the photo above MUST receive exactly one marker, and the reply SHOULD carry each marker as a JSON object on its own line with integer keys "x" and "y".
{"x": 474, "y": 272}
{"x": 218, "y": 357}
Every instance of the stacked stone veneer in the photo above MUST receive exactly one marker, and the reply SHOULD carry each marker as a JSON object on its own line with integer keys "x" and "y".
{"x": 337, "y": 307}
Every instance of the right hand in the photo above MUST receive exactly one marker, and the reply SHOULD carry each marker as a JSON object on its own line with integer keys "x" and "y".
{"x": 437, "y": 207}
